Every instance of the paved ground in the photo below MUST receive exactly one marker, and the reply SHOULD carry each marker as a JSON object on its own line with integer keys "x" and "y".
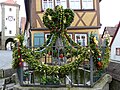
{"x": 5, "y": 59}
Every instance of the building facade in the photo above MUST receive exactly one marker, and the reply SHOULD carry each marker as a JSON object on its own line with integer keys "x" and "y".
{"x": 86, "y": 20}
{"x": 115, "y": 45}
{"x": 108, "y": 32}
{"x": 9, "y": 23}
{"x": 114, "y": 65}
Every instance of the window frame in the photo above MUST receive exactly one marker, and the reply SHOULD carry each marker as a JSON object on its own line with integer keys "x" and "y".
{"x": 10, "y": 31}
{"x": 43, "y": 8}
{"x": 88, "y": 8}
{"x": 60, "y": 1}
{"x": 39, "y": 37}
{"x": 79, "y": 5}
{"x": 68, "y": 6}
{"x": 118, "y": 51}
{"x": 86, "y": 38}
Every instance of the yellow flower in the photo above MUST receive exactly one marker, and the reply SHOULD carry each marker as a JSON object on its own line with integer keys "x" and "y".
{"x": 88, "y": 50}
{"x": 64, "y": 21}
{"x": 99, "y": 54}
{"x": 42, "y": 62}
{"x": 94, "y": 38}
{"x": 95, "y": 41}
{"x": 16, "y": 39}
{"x": 22, "y": 60}
{"x": 49, "y": 17}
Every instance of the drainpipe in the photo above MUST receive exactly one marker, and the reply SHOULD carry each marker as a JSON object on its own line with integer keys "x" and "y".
{"x": 30, "y": 6}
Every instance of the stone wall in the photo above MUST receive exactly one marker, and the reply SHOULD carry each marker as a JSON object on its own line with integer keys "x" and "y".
{"x": 115, "y": 85}
{"x": 7, "y": 72}
{"x": 102, "y": 84}
{"x": 114, "y": 70}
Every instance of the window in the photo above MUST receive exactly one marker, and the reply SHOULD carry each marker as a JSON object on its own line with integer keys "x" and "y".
{"x": 38, "y": 39}
{"x": 47, "y": 4}
{"x": 62, "y": 3}
{"x": 74, "y": 4}
{"x": 50, "y": 3}
{"x": 10, "y": 32}
{"x": 10, "y": 9}
{"x": 87, "y": 4}
{"x": 118, "y": 51}
{"x": 81, "y": 39}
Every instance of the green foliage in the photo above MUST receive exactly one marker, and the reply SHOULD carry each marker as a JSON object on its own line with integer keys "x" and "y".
{"x": 58, "y": 19}
{"x": 50, "y": 80}
{"x": 32, "y": 58}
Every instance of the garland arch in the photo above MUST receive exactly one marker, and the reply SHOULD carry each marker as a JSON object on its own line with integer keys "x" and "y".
{"x": 58, "y": 32}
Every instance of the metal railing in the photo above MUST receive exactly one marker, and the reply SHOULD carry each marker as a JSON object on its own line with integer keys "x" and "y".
{"x": 85, "y": 75}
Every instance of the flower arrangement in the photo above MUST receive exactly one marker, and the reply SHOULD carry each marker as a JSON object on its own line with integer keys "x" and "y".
{"x": 22, "y": 54}
{"x": 101, "y": 61}
{"x": 57, "y": 21}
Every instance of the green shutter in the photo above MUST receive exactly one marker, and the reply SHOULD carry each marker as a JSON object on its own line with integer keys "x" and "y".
{"x": 38, "y": 39}
{"x": 88, "y": 38}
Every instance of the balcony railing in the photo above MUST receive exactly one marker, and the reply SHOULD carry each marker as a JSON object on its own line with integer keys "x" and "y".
{"x": 86, "y": 74}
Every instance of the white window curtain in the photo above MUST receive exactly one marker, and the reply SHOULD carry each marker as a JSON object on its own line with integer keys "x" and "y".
{"x": 47, "y": 4}
{"x": 87, "y": 4}
{"x": 47, "y": 36}
{"x": 81, "y": 39}
{"x": 74, "y": 4}
{"x": 62, "y": 3}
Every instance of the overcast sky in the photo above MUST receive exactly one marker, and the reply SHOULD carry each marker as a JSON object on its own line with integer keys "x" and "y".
{"x": 109, "y": 12}
{"x": 22, "y": 9}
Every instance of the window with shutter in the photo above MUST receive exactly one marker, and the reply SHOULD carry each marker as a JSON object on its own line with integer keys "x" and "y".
{"x": 38, "y": 39}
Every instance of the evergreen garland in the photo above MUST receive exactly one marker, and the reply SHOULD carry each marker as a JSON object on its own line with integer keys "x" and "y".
{"x": 57, "y": 21}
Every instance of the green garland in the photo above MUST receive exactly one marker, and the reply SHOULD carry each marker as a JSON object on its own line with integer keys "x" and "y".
{"x": 32, "y": 58}
{"x": 57, "y": 21}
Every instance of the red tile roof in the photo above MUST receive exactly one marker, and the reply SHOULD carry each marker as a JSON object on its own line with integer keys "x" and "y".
{"x": 10, "y": 1}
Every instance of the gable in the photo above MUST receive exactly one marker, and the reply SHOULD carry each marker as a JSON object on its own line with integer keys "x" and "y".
{"x": 115, "y": 45}
{"x": 116, "y": 33}
{"x": 116, "y": 41}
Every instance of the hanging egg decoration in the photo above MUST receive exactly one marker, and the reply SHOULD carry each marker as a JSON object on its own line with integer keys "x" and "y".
{"x": 20, "y": 64}
{"x": 61, "y": 56}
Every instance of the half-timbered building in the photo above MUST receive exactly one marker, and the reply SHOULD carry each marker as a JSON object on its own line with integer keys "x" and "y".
{"x": 86, "y": 20}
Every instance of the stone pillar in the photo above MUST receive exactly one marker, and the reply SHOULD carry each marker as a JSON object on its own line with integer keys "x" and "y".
{"x": 3, "y": 28}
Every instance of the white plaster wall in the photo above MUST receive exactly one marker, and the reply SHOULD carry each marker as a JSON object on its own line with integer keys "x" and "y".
{"x": 0, "y": 19}
{"x": 116, "y": 44}
{"x": 10, "y": 25}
